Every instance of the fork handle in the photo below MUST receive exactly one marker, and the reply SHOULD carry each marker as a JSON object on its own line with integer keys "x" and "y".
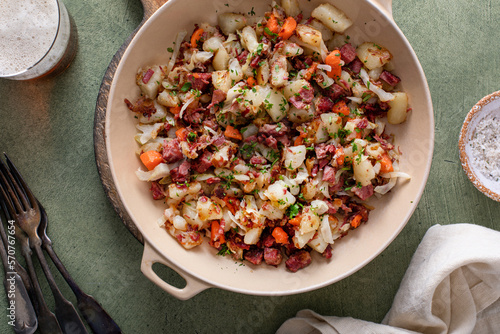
{"x": 98, "y": 319}
{"x": 47, "y": 322}
{"x": 65, "y": 311}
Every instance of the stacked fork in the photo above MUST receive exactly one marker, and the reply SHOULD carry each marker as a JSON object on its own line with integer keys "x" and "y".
{"x": 22, "y": 209}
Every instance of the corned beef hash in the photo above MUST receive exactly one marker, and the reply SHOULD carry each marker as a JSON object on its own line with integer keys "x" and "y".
{"x": 266, "y": 134}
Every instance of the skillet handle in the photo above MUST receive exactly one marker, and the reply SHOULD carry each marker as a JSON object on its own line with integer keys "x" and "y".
{"x": 385, "y": 6}
{"x": 193, "y": 284}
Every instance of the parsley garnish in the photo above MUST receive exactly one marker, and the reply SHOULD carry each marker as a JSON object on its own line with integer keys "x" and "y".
{"x": 186, "y": 87}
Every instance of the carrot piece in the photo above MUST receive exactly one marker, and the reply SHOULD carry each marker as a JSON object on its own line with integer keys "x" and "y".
{"x": 356, "y": 221}
{"x": 272, "y": 26}
{"x": 310, "y": 71}
{"x": 251, "y": 81}
{"x": 232, "y": 203}
{"x": 288, "y": 28}
{"x": 181, "y": 134}
{"x": 386, "y": 164}
{"x": 151, "y": 159}
{"x": 340, "y": 156}
{"x": 333, "y": 59}
{"x": 233, "y": 133}
{"x": 175, "y": 110}
{"x": 217, "y": 234}
{"x": 341, "y": 108}
{"x": 280, "y": 235}
{"x": 196, "y": 37}
{"x": 295, "y": 221}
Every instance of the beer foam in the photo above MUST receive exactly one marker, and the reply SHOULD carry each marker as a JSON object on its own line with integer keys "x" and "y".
{"x": 27, "y": 30}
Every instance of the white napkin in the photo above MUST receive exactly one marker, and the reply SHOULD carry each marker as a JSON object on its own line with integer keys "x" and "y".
{"x": 451, "y": 286}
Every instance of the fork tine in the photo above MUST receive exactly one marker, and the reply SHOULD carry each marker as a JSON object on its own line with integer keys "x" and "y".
{"x": 6, "y": 198}
{"x": 20, "y": 180}
{"x": 5, "y": 203}
{"x": 17, "y": 197}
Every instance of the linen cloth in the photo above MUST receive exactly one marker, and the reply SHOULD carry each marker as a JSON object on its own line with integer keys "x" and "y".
{"x": 452, "y": 285}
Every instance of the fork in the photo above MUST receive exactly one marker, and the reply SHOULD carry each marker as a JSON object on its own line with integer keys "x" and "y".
{"x": 98, "y": 319}
{"x": 25, "y": 321}
{"x": 23, "y": 206}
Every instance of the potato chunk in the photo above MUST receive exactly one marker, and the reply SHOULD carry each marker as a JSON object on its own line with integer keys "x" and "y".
{"x": 332, "y": 17}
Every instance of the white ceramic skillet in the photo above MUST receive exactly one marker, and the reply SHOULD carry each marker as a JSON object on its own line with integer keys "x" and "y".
{"x": 200, "y": 267}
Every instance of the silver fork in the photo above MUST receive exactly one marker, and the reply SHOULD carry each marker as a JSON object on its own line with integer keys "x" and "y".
{"x": 24, "y": 208}
{"x": 25, "y": 321}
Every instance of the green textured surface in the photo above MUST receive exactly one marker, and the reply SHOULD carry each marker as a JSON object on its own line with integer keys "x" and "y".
{"x": 47, "y": 129}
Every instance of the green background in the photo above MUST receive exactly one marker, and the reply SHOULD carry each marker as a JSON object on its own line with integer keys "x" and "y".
{"x": 47, "y": 129}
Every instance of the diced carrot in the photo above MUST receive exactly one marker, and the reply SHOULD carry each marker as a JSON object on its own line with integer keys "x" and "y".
{"x": 386, "y": 164}
{"x": 295, "y": 221}
{"x": 272, "y": 26}
{"x": 196, "y": 37}
{"x": 175, "y": 110}
{"x": 232, "y": 204}
{"x": 151, "y": 159}
{"x": 288, "y": 28}
{"x": 217, "y": 234}
{"x": 233, "y": 133}
{"x": 356, "y": 221}
{"x": 280, "y": 235}
{"x": 339, "y": 153}
{"x": 182, "y": 134}
{"x": 310, "y": 71}
{"x": 251, "y": 81}
{"x": 341, "y": 108}
{"x": 333, "y": 59}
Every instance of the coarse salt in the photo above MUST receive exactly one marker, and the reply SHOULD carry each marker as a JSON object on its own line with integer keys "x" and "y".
{"x": 485, "y": 147}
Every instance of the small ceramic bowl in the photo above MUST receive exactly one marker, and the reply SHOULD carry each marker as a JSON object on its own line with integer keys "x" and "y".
{"x": 487, "y": 107}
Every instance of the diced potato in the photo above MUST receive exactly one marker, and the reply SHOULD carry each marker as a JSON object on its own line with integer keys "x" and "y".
{"x": 300, "y": 115}
{"x": 180, "y": 223}
{"x": 289, "y": 49}
{"x": 309, "y": 221}
{"x": 279, "y": 195}
{"x": 168, "y": 98}
{"x": 322, "y": 134}
{"x": 221, "y": 60}
{"x": 294, "y": 87}
{"x": 326, "y": 33}
{"x": 374, "y": 150}
{"x": 291, "y": 7}
{"x": 309, "y": 35}
{"x": 235, "y": 70}
{"x": 332, "y": 17}
{"x": 208, "y": 210}
{"x": 363, "y": 170}
{"x": 150, "y": 88}
{"x": 318, "y": 244}
{"x": 230, "y": 22}
{"x": 157, "y": 116}
{"x": 212, "y": 44}
{"x": 221, "y": 80}
{"x": 263, "y": 73}
{"x": 190, "y": 214}
{"x": 279, "y": 73}
{"x": 294, "y": 156}
{"x": 178, "y": 193}
{"x": 398, "y": 108}
{"x": 301, "y": 239}
{"x": 332, "y": 123}
{"x": 249, "y": 38}
{"x": 373, "y": 55}
{"x": 252, "y": 236}
{"x": 319, "y": 207}
{"x": 274, "y": 103}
